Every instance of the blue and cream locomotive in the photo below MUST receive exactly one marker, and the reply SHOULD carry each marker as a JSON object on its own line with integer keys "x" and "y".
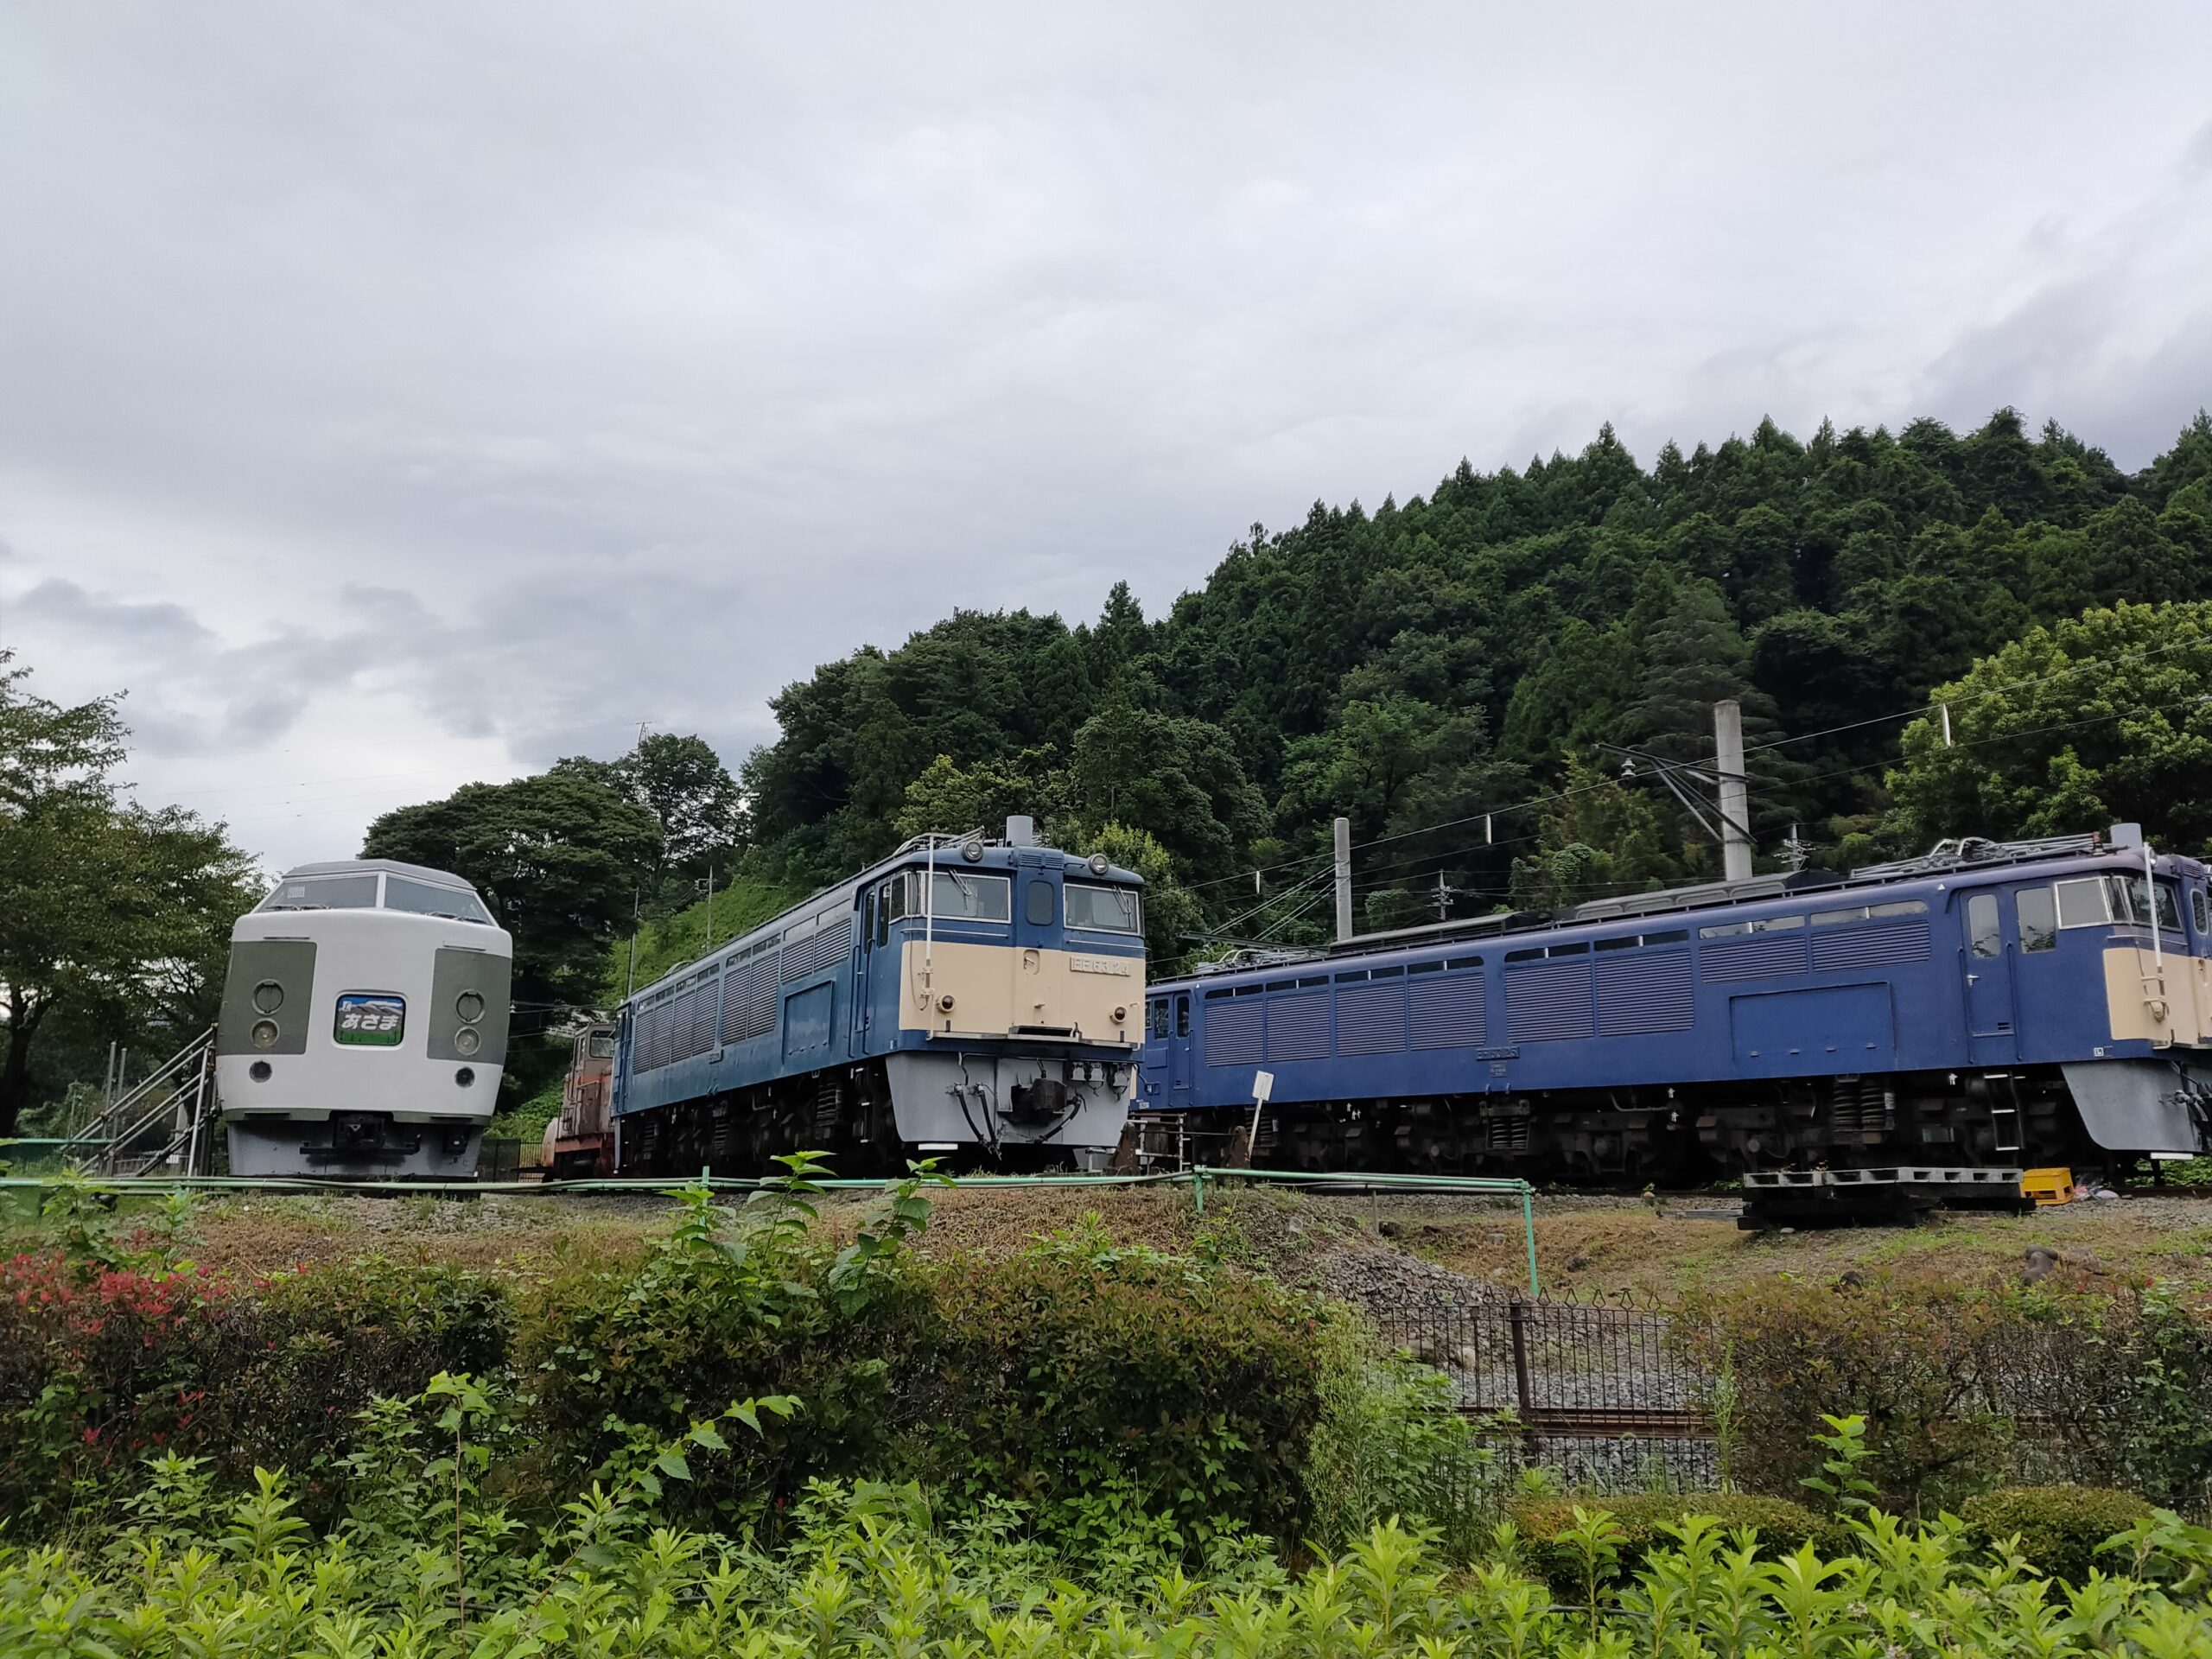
{"x": 1987, "y": 1006}
{"x": 980, "y": 1001}
{"x": 363, "y": 1025}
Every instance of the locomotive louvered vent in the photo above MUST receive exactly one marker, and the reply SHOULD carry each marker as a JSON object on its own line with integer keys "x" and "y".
{"x": 749, "y": 998}
{"x": 1870, "y": 946}
{"x": 1298, "y": 1023}
{"x": 1647, "y": 993}
{"x": 1371, "y": 1015}
{"x": 1755, "y": 957}
{"x": 1447, "y": 1011}
{"x": 811, "y": 956}
{"x": 681, "y": 1024}
{"x": 1233, "y": 1027}
{"x": 706, "y": 1004}
{"x": 1548, "y": 1001}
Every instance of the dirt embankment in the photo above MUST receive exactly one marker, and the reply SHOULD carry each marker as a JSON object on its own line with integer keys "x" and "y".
{"x": 1368, "y": 1249}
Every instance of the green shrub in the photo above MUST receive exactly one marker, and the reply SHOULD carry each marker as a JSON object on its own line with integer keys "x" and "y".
{"x": 1389, "y": 1441}
{"x": 1544, "y": 1526}
{"x": 1920, "y": 1362}
{"x": 1097, "y": 1385}
{"x": 101, "y": 1366}
{"x": 2059, "y": 1527}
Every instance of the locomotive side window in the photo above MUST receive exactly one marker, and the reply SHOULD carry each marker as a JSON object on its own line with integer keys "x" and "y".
{"x": 2083, "y": 902}
{"x": 1183, "y": 1014}
{"x": 2038, "y": 914}
{"x": 867, "y": 923}
{"x": 1159, "y": 1018}
{"x": 1870, "y": 913}
{"x": 2199, "y": 912}
{"x": 1984, "y": 933}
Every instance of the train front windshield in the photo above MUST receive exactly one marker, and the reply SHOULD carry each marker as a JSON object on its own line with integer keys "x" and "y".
{"x": 1104, "y": 910}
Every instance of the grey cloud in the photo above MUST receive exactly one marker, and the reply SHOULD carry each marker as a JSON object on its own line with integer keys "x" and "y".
{"x": 553, "y": 367}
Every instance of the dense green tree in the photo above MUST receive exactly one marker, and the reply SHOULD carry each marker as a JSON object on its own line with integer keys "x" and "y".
{"x": 561, "y": 858}
{"x": 2093, "y": 720}
{"x": 1359, "y": 664}
{"x": 1177, "y": 779}
{"x": 109, "y": 912}
{"x": 683, "y": 783}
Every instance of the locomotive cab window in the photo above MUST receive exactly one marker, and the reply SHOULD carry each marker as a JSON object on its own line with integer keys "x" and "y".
{"x": 2199, "y": 912}
{"x": 602, "y": 1045}
{"x": 1106, "y": 910}
{"x": 2082, "y": 903}
{"x": 325, "y": 892}
{"x": 424, "y": 899}
{"x": 2038, "y": 917}
{"x": 958, "y": 897}
{"x": 1985, "y": 932}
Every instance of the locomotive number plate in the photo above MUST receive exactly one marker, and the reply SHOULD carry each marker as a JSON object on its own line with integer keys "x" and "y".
{"x": 1117, "y": 966}
{"x": 370, "y": 1020}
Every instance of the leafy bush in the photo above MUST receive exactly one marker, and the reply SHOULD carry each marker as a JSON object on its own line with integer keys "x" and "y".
{"x": 1101, "y": 1385}
{"x": 1389, "y": 1441}
{"x": 1547, "y": 1527}
{"x": 2059, "y": 1527}
{"x": 1094, "y": 1383}
{"x": 100, "y": 1365}
{"x": 426, "y": 1565}
{"x": 1923, "y": 1364}
{"x": 2148, "y": 1426}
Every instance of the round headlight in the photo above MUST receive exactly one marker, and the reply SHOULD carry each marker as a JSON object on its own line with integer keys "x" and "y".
{"x": 972, "y": 851}
{"x": 469, "y": 1007}
{"x": 264, "y": 1033}
{"x": 464, "y": 1077}
{"x": 1100, "y": 863}
{"x": 945, "y": 1002}
{"x": 268, "y": 996}
{"x": 1120, "y": 1014}
{"x": 468, "y": 1040}
{"x": 259, "y": 1071}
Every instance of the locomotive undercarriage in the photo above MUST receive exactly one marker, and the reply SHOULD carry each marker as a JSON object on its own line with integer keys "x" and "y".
{"x": 845, "y": 1113}
{"x": 1685, "y": 1133}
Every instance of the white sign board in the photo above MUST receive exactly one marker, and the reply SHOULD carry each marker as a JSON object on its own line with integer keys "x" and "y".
{"x": 1263, "y": 1084}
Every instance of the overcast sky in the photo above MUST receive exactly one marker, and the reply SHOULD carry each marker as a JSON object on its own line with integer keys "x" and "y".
{"x": 399, "y": 394}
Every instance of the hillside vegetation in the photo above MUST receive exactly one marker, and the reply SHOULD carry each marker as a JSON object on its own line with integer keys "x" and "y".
{"x": 1447, "y": 671}
{"x": 1929, "y": 633}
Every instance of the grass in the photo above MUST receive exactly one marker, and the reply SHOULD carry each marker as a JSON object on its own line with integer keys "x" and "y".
{"x": 668, "y": 942}
{"x": 1582, "y": 1244}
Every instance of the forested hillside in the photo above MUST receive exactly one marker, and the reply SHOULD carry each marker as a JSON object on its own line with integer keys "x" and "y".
{"x": 1488, "y": 681}
{"x": 1460, "y": 658}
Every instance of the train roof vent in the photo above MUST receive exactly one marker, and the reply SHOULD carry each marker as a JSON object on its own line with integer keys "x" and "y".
{"x": 1951, "y": 854}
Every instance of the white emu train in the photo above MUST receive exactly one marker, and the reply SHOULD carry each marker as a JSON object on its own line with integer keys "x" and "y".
{"x": 363, "y": 1025}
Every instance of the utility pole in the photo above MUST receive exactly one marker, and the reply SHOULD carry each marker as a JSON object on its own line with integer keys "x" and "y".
{"x": 1344, "y": 879}
{"x": 1735, "y": 798}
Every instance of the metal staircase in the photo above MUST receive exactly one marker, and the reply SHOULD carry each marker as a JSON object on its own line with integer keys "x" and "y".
{"x": 161, "y": 1125}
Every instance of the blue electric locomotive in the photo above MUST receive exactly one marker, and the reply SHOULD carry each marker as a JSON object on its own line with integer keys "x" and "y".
{"x": 969, "y": 999}
{"x": 1990, "y": 1005}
